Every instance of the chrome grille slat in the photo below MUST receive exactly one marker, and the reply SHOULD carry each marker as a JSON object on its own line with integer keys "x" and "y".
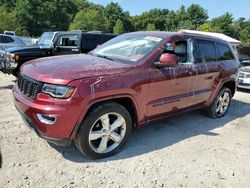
{"x": 29, "y": 86}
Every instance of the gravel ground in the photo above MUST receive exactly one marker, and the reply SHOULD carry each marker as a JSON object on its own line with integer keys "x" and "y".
{"x": 190, "y": 150}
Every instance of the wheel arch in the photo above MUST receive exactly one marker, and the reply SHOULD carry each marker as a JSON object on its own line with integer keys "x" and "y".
{"x": 125, "y": 100}
{"x": 231, "y": 85}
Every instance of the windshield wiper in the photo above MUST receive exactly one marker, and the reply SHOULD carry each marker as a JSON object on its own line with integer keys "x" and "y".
{"x": 102, "y": 56}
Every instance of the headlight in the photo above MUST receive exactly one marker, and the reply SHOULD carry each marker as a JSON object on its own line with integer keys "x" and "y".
{"x": 13, "y": 57}
{"x": 58, "y": 91}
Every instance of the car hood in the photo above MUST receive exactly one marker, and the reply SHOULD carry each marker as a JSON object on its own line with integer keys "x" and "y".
{"x": 63, "y": 69}
{"x": 25, "y": 49}
{"x": 6, "y": 46}
{"x": 245, "y": 69}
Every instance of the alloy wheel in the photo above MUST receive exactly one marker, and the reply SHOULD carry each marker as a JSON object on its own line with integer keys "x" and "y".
{"x": 107, "y": 133}
{"x": 223, "y": 103}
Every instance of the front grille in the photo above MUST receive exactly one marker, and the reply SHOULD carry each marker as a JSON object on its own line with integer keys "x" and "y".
{"x": 244, "y": 84}
{"x": 28, "y": 86}
{"x": 241, "y": 75}
{"x": 244, "y": 75}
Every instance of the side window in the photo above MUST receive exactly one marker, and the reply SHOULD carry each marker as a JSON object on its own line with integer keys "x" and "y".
{"x": 68, "y": 40}
{"x": 106, "y": 38}
{"x": 223, "y": 52}
{"x": 206, "y": 51}
{"x": 6, "y": 39}
{"x": 183, "y": 49}
{"x": 9, "y": 40}
{"x": 91, "y": 41}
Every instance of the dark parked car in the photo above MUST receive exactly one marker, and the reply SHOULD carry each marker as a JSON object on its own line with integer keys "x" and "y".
{"x": 96, "y": 99}
{"x": 50, "y": 44}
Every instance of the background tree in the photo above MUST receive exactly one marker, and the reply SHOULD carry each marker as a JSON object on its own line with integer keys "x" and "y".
{"x": 197, "y": 15}
{"x": 113, "y": 12}
{"x": 206, "y": 27}
{"x": 89, "y": 20}
{"x": 8, "y": 3}
{"x": 151, "y": 27}
{"x": 223, "y": 24}
{"x": 245, "y": 34}
{"x": 171, "y": 21}
{"x": 9, "y": 22}
{"x": 156, "y": 16}
{"x": 32, "y": 17}
{"x": 38, "y": 16}
{"x": 119, "y": 27}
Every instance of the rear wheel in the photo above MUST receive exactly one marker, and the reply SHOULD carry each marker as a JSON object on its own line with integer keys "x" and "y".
{"x": 104, "y": 131}
{"x": 221, "y": 103}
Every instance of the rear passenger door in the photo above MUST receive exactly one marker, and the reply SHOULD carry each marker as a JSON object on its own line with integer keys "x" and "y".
{"x": 208, "y": 71}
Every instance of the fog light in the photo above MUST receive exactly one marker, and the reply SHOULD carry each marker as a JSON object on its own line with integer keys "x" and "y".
{"x": 49, "y": 120}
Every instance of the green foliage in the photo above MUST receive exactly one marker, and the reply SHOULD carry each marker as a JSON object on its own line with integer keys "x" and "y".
{"x": 32, "y": 17}
{"x": 205, "y": 27}
{"x": 119, "y": 27}
{"x": 151, "y": 27}
{"x": 89, "y": 20}
{"x": 245, "y": 34}
{"x": 223, "y": 24}
{"x": 8, "y": 3}
{"x": 196, "y": 15}
{"x": 156, "y": 16}
{"x": 38, "y": 16}
{"x": 114, "y": 13}
{"x": 239, "y": 29}
{"x": 9, "y": 22}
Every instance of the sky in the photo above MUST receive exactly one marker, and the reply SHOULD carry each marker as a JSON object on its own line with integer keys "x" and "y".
{"x": 239, "y": 8}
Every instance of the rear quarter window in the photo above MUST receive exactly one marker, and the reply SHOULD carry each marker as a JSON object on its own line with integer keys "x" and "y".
{"x": 223, "y": 52}
{"x": 206, "y": 51}
{"x": 91, "y": 41}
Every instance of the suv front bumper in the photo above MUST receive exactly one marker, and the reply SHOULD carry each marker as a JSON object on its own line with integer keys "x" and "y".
{"x": 66, "y": 112}
{"x": 6, "y": 66}
{"x": 31, "y": 125}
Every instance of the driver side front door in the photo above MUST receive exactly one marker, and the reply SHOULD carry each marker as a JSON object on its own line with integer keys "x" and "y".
{"x": 67, "y": 44}
{"x": 171, "y": 87}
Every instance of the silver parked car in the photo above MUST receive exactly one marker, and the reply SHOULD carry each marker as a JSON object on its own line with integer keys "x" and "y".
{"x": 7, "y": 41}
{"x": 244, "y": 77}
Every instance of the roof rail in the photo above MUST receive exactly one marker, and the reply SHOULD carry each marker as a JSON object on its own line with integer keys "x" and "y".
{"x": 77, "y": 30}
{"x": 99, "y": 32}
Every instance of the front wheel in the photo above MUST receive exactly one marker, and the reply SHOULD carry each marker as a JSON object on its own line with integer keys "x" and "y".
{"x": 221, "y": 103}
{"x": 104, "y": 131}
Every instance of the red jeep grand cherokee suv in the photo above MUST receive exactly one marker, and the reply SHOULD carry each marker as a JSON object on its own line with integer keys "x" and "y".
{"x": 96, "y": 99}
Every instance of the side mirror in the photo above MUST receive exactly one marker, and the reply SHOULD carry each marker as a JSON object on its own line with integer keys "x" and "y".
{"x": 167, "y": 60}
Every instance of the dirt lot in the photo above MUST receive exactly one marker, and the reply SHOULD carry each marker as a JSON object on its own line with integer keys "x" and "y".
{"x": 190, "y": 150}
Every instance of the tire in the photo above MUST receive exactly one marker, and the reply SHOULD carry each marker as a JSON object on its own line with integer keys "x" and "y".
{"x": 221, "y": 103}
{"x": 96, "y": 131}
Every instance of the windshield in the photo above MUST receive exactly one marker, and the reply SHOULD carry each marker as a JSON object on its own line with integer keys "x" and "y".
{"x": 128, "y": 48}
{"x": 46, "y": 39}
